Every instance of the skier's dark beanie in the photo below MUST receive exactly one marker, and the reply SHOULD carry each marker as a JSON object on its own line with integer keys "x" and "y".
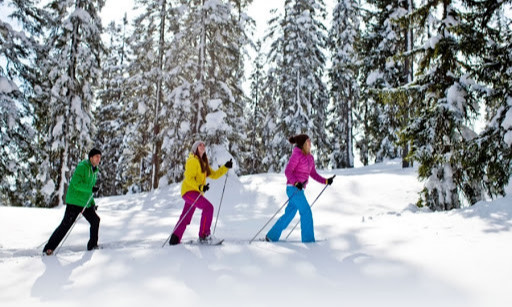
{"x": 94, "y": 152}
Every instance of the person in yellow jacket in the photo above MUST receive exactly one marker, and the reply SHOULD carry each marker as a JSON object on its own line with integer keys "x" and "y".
{"x": 194, "y": 185}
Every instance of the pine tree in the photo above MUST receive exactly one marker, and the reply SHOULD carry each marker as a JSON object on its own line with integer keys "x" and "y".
{"x": 271, "y": 137}
{"x": 485, "y": 159}
{"x": 206, "y": 92}
{"x": 19, "y": 153}
{"x": 149, "y": 104}
{"x": 15, "y": 138}
{"x": 238, "y": 42}
{"x": 343, "y": 75}
{"x": 109, "y": 116}
{"x": 141, "y": 100}
{"x": 439, "y": 129}
{"x": 255, "y": 117}
{"x": 379, "y": 114}
{"x": 69, "y": 69}
{"x": 298, "y": 61}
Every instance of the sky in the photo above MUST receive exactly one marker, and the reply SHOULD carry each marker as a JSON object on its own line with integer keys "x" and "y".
{"x": 374, "y": 248}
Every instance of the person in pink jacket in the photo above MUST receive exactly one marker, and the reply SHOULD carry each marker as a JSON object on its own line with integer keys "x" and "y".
{"x": 300, "y": 167}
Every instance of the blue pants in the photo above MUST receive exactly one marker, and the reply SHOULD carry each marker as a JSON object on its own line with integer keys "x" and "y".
{"x": 299, "y": 203}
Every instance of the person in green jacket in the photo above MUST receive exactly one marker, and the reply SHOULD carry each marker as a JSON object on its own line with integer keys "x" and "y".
{"x": 79, "y": 199}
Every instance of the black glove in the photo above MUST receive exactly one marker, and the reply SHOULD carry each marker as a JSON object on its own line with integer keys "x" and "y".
{"x": 229, "y": 164}
{"x": 329, "y": 180}
{"x": 299, "y": 185}
{"x": 204, "y": 188}
{"x": 95, "y": 189}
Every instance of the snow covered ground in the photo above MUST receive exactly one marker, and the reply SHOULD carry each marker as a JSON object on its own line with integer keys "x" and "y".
{"x": 374, "y": 249}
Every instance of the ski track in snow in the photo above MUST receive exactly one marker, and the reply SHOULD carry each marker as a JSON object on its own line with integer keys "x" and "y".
{"x": 373, "y": 246}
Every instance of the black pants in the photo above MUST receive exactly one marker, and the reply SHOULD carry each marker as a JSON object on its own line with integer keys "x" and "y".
{"x": 70, "y": 216}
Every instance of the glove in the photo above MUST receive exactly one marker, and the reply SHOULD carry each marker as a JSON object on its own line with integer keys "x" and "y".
{"x": 229, "y": 164}
{"x": 299, "y": 185}
{"x": 95, "y": 189}
{"x": 329, "y": 180}
{"x": 204, "y": 188}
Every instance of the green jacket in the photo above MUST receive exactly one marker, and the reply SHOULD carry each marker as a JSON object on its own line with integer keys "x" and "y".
{"x": 80, "y": 187}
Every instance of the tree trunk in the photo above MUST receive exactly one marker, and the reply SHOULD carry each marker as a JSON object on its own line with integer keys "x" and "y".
{"x": 409, "y": 71}
{"x": 157, "y": 143}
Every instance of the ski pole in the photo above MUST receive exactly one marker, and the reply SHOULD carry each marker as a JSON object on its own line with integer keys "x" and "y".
{"x": 273, "y": 216}
{"x": 181, "y": 220}
{"x": 310, "y": 207}
{"x": 220, "y": 204}
{"x": 72, "y": 226}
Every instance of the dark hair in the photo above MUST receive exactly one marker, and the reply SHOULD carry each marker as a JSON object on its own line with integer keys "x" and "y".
{"x": 203, "y": 161}
{"x": 94, "y": 152}
{"x": 299, "y": 139}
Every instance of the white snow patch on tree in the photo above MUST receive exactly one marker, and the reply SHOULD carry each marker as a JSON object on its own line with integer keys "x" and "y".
{"x": 507, "y": 138}
{"x": 7, "y": 86}
{"x": 82, "y": 15}
{"x": 456, "y": 98}
{"x": 214, "y": 103}
{"x": 76, "y": 105}
{"x": 184, "y": 127}
{"x": 218, "y": 155}
{"x": 48, "y": 188}
{"x": 507, "y": 122}
{"x": 12, "y": 166}
{"x": 57, "y": 130}
{"x": 507, "y": 125}
{"x": 373, "y": 76}
{"x": 431, "y": 43}
{"x": 142, "y": 108}
{"x": 215, "y": 123}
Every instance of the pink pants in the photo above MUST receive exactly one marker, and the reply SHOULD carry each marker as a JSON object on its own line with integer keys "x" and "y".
{"x": 206, "y": 216}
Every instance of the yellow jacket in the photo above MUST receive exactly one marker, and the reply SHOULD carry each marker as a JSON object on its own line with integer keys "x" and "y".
{"x": 195, "y": 178}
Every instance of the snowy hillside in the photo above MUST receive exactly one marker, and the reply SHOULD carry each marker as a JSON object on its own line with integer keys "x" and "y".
{"x": 374, "y": 249}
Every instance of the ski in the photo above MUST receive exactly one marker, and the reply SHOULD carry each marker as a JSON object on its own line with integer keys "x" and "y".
{"x": 196, "y": 242}
{"x": 6, "y": 253}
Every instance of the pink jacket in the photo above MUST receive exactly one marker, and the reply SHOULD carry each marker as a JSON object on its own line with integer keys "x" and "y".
{"x": 300, "y": 167}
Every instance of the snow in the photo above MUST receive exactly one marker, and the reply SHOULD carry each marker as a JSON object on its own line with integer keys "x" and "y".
{"x": 215, "y": 123}
{"x": 507, "y": 122}
{"x": 214, "y": 103}
{"x": 57, "y": 130}
{"x": 76, "y": 106}
{"x": 456, "y": 98}
{"x": 507, "y": 125}
{"x": 432, "y": 42}
{"x": 507, "y": 138}
{"x": 48, "y": 188}
{"x": 374, "y": 248}
{"x": 81, "y": 14}
{"x": 142, "y": 108}
{"x": 184, "y": 127}
{"x": 7, "y": 86}
{"x": 373, "y": 77}
{"x": 218, "y": 155}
